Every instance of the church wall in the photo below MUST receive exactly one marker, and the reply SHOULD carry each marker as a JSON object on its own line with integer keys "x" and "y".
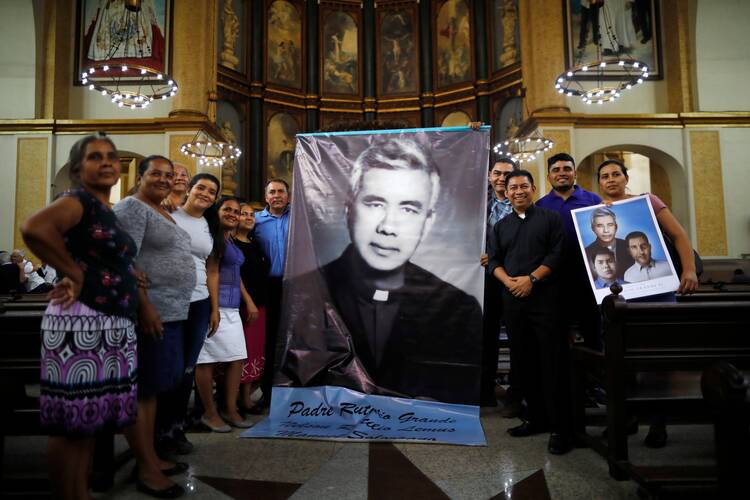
{"x": 648, "y": 98}
{"x": 90, "y": 105}
{"x": 722, "y": 62}
{"x": 17, "y": 59}
{"x": 8, "y": 152}
{"x": 734, "y": 162}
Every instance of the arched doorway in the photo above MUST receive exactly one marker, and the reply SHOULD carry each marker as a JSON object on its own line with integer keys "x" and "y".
{"x": 650, "y": 169}
{"x": 129, "y": 163}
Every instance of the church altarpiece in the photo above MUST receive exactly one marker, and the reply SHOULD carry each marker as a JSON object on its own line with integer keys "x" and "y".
{"x": 309, "y": 65}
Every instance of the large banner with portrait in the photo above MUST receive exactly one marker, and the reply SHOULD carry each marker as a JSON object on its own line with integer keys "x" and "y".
{"x": 622, "y": 243}
{"x": 382, "y": 288}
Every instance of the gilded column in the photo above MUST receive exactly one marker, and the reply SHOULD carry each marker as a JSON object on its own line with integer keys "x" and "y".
{"x": 542, "y": 53}
{"x": 255, "y": 156}
{"x": 425, "y": 63}
{"x": 31, "y": 181}
{"x": 677, "y": 52}
{"x": 53, "y": 89}
{"x": 313, "y": 71}
{"x": 480, "y": 45}
{"x": 705, "y": 166}
{"x": 368, "y": 46}
{"x": 193, "y": 56}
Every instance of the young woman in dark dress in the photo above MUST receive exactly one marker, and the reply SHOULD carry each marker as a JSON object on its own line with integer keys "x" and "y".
{"x": 254, "y": 272}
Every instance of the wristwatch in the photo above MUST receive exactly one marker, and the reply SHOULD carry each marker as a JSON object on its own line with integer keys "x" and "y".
{"x": 533, "y": 279}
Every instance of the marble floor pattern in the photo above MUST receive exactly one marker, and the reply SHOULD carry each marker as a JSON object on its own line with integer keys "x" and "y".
{"x": 224, "y": 466}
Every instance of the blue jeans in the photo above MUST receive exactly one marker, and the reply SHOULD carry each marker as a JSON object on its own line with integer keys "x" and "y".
{"x": 172, "y": 405}
{"x": 160, "y": 367}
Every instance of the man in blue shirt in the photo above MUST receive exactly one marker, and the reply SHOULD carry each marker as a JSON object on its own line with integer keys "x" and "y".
{"x": 579, "y": 301}
{"x": 272, "y": 230}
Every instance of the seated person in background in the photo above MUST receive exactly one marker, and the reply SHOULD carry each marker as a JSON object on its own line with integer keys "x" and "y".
{"x": 48, "y": 273}
{"x": 10, "y": 274}
{"x": 33, "y": 283}
{"x": 604, "y": 226}
{"x": 645, "y": 268}
{"x": 605, "y": 268}
{"x": 739, "y": 276}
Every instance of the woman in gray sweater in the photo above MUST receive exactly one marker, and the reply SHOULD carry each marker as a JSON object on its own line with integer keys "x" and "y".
{"x": 169, "y": 275}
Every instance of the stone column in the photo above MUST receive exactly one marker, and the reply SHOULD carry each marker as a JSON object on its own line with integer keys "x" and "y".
{"x": 56, "y": 58}
{"x": 480, "y": 52}
{"x": 678, "y": 66}
{"x": 542, "y": 53}
{"x": 193, "y": 56}
{"x": 425, "y": 63}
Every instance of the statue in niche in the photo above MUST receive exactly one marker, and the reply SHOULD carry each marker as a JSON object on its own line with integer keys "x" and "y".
{"x": 229, "y": 169}
{"x": 512, "y": 129}
{"x": 510, "y": 18}
{"x": 231, "y": 31}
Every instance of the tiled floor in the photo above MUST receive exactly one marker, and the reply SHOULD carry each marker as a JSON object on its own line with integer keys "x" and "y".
{"x": 226, "y": 466}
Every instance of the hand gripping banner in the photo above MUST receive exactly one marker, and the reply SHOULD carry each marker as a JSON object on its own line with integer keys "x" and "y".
{"x": 382, "y": 288}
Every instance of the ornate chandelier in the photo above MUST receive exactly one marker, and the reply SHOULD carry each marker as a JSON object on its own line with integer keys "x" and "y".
{"x": 523, "y": 148}
{"x": 608, "y": 76}
{"x": 124, "y": 83}
{"x": 210, "y": 148}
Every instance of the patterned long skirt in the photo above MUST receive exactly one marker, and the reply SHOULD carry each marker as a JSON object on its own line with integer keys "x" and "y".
{"x": 255, "y": 341}
{"x": 88, "y": 371}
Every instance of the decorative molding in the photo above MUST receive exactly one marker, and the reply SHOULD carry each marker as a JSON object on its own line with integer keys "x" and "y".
{"x": 738, "y": 119}
{"x": 136, "y": 126}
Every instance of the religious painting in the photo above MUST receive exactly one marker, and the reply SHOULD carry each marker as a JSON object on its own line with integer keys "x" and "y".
{"x": 506, "y": 49}
{"x": 111, "y": 34}
{"x": 340, "y": 54}
{"x": 615, "y": 28}
{"x": 231, "y": 30}
{"x": 284, "y": 44}
{"x": 456, "y": 119}
{"x": 398, "y": 52}
{"x": 280, "y": 132}
{"x": 453, "y": 54}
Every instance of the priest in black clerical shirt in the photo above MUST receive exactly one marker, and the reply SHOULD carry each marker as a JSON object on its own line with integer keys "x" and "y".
{"x": 386, "y": 325}
{"x": 527, "y": 257}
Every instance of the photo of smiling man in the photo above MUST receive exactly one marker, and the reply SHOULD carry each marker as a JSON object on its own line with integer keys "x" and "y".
{"x": 371, "y": 319}
{"x": 604, "y": 226}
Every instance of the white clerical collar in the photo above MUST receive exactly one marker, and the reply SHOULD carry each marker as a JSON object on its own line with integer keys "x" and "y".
{"x": 380, "y": 296}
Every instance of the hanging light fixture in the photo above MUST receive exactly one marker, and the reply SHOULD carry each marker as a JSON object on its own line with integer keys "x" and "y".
{"x": 523, "y": 148}
{"x": 210, "y": 148}
{"x": 607, "y": 77}
{"x": 127, "y": 84}
{"x": 526, "y": 142}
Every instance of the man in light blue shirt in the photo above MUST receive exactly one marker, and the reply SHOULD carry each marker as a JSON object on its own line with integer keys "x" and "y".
{"x": 498, "y": 206}
{"x": 272, "y": 231}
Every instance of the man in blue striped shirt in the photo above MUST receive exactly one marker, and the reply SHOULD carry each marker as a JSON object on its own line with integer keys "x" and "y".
{"x": 272, "y": 231}
{"x": 498, "y": 206}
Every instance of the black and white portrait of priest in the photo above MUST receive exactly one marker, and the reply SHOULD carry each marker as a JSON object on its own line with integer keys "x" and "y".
{"x": 369, "y": 317}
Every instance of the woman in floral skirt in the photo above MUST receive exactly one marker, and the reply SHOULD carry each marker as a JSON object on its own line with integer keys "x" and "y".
{"x": 88, "y": 360}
